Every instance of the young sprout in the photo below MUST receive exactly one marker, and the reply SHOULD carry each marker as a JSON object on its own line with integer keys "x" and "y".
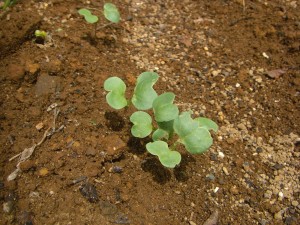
{"x": 110, "y": 11}
{"x": 88, "y": 16}
{"x": 7, "y": 3}
{"x": 192, "y": 133}
{"x": 40, "y": 36}
{"x": 40, "y": 33}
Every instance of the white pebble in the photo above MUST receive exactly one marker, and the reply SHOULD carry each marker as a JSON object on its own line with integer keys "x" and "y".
{"x": 221, "y": 155}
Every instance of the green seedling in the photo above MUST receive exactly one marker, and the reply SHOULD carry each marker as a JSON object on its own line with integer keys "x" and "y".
{"x": 194, "y": 134}
{"x": 40, "y": 33}
{"x": 40, "y": 36}
{"x": 7, "y": 3}
{"x": 110, "y": 11}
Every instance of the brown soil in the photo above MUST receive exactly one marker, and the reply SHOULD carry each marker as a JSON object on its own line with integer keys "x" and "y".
{"x": 217, "y": 56}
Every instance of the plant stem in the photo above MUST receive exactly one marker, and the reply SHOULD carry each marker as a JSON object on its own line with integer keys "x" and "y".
{"x": 173, "y": 147}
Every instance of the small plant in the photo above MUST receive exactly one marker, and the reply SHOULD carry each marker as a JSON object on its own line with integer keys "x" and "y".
{"x": 40, "y": 36}
{"x": 192, "y": 133}
{"x": 110, "y": 11}
{"x": 7, "y": 3}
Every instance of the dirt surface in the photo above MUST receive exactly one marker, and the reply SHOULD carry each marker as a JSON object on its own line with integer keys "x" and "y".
{"x": 236, "y": 64}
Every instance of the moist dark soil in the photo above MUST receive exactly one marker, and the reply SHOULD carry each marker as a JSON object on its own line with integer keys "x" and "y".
{"x": 236, "y": 62}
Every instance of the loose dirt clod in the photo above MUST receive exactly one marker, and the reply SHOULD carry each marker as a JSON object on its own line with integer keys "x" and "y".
{"x": 89, "y": 192}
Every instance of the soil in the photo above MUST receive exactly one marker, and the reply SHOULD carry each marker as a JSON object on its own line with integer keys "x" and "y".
{"x": 238, "y": 64}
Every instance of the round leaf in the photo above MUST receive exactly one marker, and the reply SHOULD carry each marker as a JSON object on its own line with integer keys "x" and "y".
{"x": 163, "y": 107}
{"x": 207, "y": 123}
{"x": 111, "y": 12}
{"x": 88, "y": 16}
{"x": 167, "y": 157}
{"x": 142, "y": 124}
{"x": 196, "y": 139}
{"x": 144, "y": 94}
{"x": 116, "y": 96}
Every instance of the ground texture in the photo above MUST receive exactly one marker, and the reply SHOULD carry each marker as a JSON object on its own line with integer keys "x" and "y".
{"x": 236, "y": 62}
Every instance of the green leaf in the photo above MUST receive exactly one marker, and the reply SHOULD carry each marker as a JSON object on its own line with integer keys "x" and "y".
{"x": 167, "y": 157}
{"x": 163, "y": 107}
{"x": 165, "y": 130}
{"x": 142, "y": 124}
{"x": 207, "y": 123}
{"x": 160, "y": 134}
{"x": 144, "y": 94}
{"x": 116, "y": 96}
{"x": 40, "y": 33}
{"x": 196, "y": 139}
{"x": 88, "y": 16}
{"x": 111, "y": 12}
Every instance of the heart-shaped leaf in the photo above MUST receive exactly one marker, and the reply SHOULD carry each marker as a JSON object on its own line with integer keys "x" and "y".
{"x": 207, "y": 123}
{"x": 144, "y": 94}
{"x": 196, "y": 139}
{"x": 111, "y": 12}
{"x": 163, "y": 107}
{"x": 88, "y": 16}
{"x": 167, "y": 157}
{"x": 116, "y": 96}
{"x": 142, "y": 124}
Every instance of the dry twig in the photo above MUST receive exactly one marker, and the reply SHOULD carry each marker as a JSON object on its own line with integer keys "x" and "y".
{"x": 27, "y": 152}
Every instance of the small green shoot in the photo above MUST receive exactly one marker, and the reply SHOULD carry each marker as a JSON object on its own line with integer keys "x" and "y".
{"x": 88, "y": 16}
{"x": 110, "y": 12}
{"x": 40, "y": 33}
{"x": 192, "y": 133}
{"x": 7, "y": 3}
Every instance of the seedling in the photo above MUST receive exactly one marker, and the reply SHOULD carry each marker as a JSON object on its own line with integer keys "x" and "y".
{"x": 7, "y": 3}
{"x": 40, "y": 36}
{"x": 194, "y": 134}
{"x": 110, "y": 11}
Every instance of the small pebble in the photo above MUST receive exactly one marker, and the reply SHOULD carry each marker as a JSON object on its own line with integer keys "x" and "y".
{"x": 221, "y": 155}
{"x": 43, "y": 172}
{"x": 225, "y": 171}
{"x": 89, "y": 192}
{"x": 39, "y": 126}
{"x": 210, "y": 177}
{"x": 268, "y": 194}
{"x": 278, "y": 216}
{"x": 295, "y": 203}
{"x": 115, "y": 169}
{"x": 234, "y": 190}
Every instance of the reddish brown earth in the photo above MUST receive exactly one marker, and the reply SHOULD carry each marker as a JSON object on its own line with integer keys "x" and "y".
{"x": 217, "y": 56}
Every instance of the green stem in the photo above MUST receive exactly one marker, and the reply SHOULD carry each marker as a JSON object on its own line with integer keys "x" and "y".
{"x": 173, "y": 147}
